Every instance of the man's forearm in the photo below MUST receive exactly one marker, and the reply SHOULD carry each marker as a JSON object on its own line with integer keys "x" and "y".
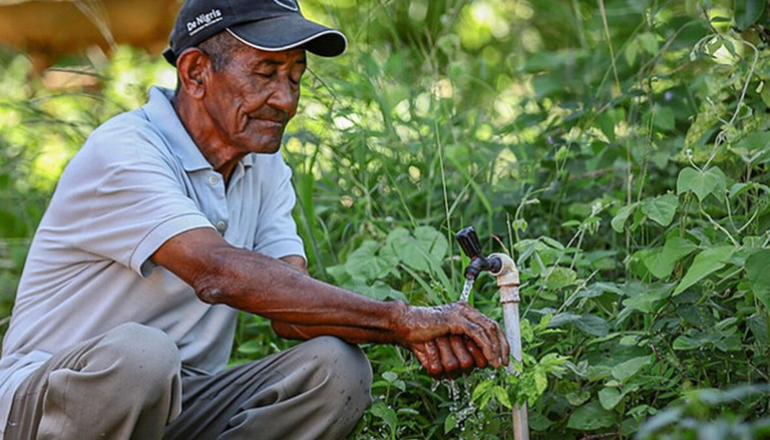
{"x": 354, "y": 335}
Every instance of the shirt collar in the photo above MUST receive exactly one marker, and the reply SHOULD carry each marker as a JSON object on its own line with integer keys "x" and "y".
{"x": 163, "y": 116}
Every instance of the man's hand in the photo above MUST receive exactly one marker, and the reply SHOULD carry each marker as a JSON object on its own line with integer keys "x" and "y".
{"x": 444, "y": 330}
{"x": 449, "y": 357}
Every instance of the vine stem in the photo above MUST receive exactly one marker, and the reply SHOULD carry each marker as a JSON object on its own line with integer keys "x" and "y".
{"x": 722, "y": 135}
{"x": 609, "y": 43}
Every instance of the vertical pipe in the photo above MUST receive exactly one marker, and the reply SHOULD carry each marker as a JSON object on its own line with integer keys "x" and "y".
{"x": 508, "y": 283}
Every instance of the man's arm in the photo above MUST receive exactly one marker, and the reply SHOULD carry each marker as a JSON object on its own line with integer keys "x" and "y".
{"x": 447, "y": 356}
{"x": 255, "y": 283}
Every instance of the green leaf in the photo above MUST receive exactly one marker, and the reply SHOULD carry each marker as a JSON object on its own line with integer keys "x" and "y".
{"x": 700, "y": 183}
{"x": 625, "y": 370}
{"x": 450, "y": 422}
{"x": 748, "y": 12}
{"x": 758, "y": 269}
{"x": 661, "y": 262}
{"x": 754, "y": 148}
{"x": 661, "y": 209}
{"x": 619, "y": 221}
{"x": 501, "y": 394}
{"x": 591, "y": 416}
{"x": 386, "y": 413}
{"x": 609, "y": 398}
{"x": 432, "y": 241}
{"x": 593, "y": 325}
{"x": 649, "y": 43}
{"x": 705, "y": 263}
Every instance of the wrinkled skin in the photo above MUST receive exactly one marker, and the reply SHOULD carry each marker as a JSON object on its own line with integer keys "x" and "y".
{"x": 243, "y": 108}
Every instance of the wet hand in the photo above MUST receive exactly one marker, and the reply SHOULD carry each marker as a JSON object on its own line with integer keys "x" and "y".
{"x": 449, "y": 357}
{"x": 429, "y": 324}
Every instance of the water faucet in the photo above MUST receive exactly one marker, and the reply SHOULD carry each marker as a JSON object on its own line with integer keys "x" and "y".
{"x": 504, "y": 268}
{"x": 469, "y": 242}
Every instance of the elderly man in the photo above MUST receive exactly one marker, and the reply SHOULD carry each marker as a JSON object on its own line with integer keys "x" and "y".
{"x": 170, "y": 220}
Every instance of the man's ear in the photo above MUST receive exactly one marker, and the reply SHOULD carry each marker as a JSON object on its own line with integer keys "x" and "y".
{"x": 193, "y": 67}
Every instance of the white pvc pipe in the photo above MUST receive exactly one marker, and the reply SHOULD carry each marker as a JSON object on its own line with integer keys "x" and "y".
{"x": 508, "y": 283}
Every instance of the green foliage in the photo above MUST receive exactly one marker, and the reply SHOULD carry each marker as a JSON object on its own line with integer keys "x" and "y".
{"x": 617, "y": 149}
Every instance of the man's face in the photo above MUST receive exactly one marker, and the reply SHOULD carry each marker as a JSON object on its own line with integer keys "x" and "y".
{"x": 253, "y": 96}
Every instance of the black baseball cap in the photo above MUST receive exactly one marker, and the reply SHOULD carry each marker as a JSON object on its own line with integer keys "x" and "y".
{"x": 269, "y": 25}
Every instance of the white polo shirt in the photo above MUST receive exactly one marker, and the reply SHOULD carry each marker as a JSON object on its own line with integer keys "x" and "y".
{"x": 138, "y": 181}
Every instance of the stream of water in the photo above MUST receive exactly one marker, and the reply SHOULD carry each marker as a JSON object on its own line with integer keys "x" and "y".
{"x": 466, "y": 293}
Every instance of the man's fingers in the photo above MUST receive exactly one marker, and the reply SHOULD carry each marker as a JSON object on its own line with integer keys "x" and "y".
{"x": 460, "y": 349}
{"x": 434, "y": 367}
{"x": 448, "y": 358}
{"x": 488, "y": 336}
{"x": 478, "y": 357}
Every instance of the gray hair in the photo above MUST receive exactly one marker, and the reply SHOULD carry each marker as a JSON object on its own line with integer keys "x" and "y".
{"x": 220, "y": 49}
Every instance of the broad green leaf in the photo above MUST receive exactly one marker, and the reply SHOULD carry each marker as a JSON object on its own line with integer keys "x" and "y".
{"x": 664, "y": 118}
{"x": 695, "y": 340}
{"x": 758, "y": 269}
{"x": 502, "y": 396}
{"x": 386, "y": 413}
{"x": 563, "y": 319}
{"x": 619, "y": 221}
{"x": 450, "y": 422}
{"x": 362, "y": 264}
{"x": 559, "y": 277}
{"x": 593, "y": 325}
{"x": 700, "y": 183}
{"x": 648, "y": 299}
{"x": 705, "y": 263}
{"x": 625, "y": 370}
{"x": 754, "y": 148}
{"x": 661, "y": 262}
{"x": 609, "y": 398}
{"x": 539, "y": 422}
{"x": 748, "y": 12}
{"x": 578, "y": 398}
{"x": 607, "y": 125}
{"x": 591, "y": 416}
{"x": 661, "y": 209}
{"x": 432, "y": 241}
{"x": 649, "y": 43}
{"x": 758, "y": 324}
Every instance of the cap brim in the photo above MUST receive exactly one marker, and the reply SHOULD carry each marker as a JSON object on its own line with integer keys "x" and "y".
{"x": 290, "y": 31}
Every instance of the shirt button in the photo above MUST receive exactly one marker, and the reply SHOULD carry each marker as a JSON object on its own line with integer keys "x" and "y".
{"x": 213, "y": 180}
{"x": 221, "y": 225}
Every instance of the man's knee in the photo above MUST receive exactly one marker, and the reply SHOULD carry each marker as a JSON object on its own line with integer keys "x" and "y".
{"x": 146, "y": 356}
{"x": 348, "y": 374}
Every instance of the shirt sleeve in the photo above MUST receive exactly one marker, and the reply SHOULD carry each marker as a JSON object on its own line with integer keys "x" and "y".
{"x": 123, "y": 197}
{"x": 276, "y": 233}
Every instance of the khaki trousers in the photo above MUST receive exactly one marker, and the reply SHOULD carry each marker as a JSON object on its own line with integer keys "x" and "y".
{"x": 128, "y": 384}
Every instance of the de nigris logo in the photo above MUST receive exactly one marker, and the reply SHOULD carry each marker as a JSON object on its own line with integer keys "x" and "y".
{"x": 203, "y": 21}
{"x": 288, "y": 4}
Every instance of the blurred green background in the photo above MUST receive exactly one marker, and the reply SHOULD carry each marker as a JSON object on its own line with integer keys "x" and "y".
{"x": 618, "y": 149}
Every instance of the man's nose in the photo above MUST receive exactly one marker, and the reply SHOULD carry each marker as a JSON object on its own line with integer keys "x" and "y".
{"x": 283, "y": 96}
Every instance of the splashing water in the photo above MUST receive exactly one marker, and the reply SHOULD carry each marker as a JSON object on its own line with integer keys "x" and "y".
{"x": 466, "y": 293}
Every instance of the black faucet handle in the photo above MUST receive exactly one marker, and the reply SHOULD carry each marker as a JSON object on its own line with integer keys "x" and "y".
{"x": 469, "y": 242}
